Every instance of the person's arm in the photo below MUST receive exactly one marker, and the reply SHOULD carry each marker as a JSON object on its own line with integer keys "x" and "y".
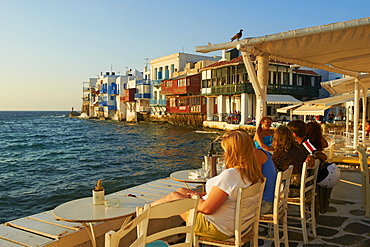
{"x": 320, "y": 155}
{"x": 215, "y": 199}
{"x": 259, "y": 139}
{"x": 324, "y": 143}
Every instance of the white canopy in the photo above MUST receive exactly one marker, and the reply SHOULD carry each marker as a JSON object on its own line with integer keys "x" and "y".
{"x": 288, "y": 108}
{"x": 318, "y": 106}
{"x": 281, "y": 99}
{"x": 341, "y": 47}
{"x": 346, "y": 84}
{"x": 311, "y": 110}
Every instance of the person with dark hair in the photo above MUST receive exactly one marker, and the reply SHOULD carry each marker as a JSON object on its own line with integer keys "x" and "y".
{"x": 314, "y": 133}
{"x": 263, "y": 136}
{"x": 298, "y": 129}
{"x": 287, "y": 153}
{"x": 331, "y": 117}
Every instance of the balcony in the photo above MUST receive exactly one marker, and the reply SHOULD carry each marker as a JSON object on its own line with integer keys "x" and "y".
{"x": 231, "y": 89}
{"x": 156, "y": 83}
{"x": 103, "y": 103}
{"x": 157, "y": 102}
{"x": 143, "y": 109}
{"x": 294, "y": 90}
{"x": 142, "y": 96}
{"x": 112, "y": 89}
{"x": 142, "y": 82}
{"x": 301, "y": 91}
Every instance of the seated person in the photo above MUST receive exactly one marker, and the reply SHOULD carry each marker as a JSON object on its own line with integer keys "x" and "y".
{"x": 216, "y": 209}
{"x": 263, "y": 135}
{"x": 287, "y": 153}
{"x": 269, "y": 172}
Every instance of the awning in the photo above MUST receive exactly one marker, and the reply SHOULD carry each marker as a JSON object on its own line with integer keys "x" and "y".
{"x": 281, "y": 99}
{"x": 318, "y": 106}
{"x": 341, "y": 47}
{"x": 287, "y": 108}
{"x": 311, "y": 110}
{"x": 346, "y": 84}
{"x": 331, "y": 101}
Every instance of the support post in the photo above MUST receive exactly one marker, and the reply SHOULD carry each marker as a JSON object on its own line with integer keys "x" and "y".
{"x": 357, "y": 113}
{"x": 244, "y": 108}
{"x": 259, "y": 80}
{"x": 210, "y": 108}
{"x": 364, "y": 103}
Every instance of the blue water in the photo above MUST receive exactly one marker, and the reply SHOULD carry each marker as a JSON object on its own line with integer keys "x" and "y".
{"x": 47, "y": 158}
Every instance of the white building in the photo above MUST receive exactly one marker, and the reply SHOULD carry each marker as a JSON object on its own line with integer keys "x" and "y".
{"x": 164, "y": 68}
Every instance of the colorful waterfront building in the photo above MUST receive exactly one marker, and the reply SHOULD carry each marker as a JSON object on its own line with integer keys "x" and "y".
{"x": 183, "y": 95}
{"x": 164, "y": 68}
{"x": 227, "y": 87}
{"x": 117, "y": 97}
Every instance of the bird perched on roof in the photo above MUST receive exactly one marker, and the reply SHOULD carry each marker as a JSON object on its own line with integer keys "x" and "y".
{"x": 237, "y": 36}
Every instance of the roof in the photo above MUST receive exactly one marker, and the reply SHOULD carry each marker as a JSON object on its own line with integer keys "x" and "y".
{"x": 341, "y": 47}
{"x": 281, "y": 99}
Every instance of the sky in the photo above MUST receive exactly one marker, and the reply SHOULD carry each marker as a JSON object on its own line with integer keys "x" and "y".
{"x": 48, "y": 48}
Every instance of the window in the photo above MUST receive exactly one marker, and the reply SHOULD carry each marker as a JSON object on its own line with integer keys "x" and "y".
{"x": 172, "y": 102}
{"x": 181, "y": 82}
{"x": 285, "y": 78}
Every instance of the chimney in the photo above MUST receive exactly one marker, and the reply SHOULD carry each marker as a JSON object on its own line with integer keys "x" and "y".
{"x": 223, "y": 55}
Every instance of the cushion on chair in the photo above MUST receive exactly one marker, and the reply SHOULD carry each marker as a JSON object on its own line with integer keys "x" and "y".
{"x": 158, "y": 243}
{"x": 231, "y": 241}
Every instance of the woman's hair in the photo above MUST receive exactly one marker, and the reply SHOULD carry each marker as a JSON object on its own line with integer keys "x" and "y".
{"x": 238, "y": 147}
{"x": 263, "y": 119}
{"x": 283, "y": 139}
{"x": 314, "y": 133}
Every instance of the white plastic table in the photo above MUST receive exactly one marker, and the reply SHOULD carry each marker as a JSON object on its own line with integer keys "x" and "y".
{"x": 183, "y": 176}
{"x": 84, "y": 211}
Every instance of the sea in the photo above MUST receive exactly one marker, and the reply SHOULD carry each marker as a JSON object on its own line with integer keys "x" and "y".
{"x": 48, "y": 158}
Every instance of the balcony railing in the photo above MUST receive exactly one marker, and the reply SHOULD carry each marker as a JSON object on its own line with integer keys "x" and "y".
{"x": 158, "y": 102}
{"x": 142, "y": 95}
{"x": 232, "y": 89}
{"x": 156, "y": 83}
{"x": 142, "y": 82}
{"x": 143, "y": 109}
{"x": 310, "y": 91}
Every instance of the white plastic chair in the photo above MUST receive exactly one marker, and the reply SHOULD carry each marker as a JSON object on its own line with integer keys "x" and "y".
{"x": 244, "y": 231}
{"x": 174, "y": 208}
{"x": 112, "y": 238}
{"x": 364, "y": 167}
{"x": 278, "y": 218}
{"x": 160, "y": 211}
{"x": 306, "y": 200}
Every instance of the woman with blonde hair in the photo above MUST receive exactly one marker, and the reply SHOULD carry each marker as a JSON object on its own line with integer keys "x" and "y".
{"x": 263, "y": 136}
{"x": 216, "y": 209}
